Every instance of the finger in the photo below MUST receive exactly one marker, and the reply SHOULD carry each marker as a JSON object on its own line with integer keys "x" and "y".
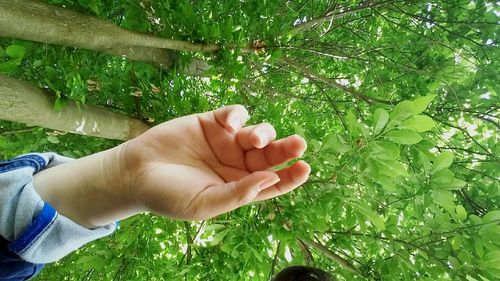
{"x": 291, "y": 178}
{"x": 223, "y": 198}
{"x": 275, "y": 153}
{"x": 232, "y": 117}
{"x": 256, "y": 136}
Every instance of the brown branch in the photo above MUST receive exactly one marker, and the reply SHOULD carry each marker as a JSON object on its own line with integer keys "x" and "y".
{"x": 33, "y": 19}
{"x": 273, "y": 264}
{"x": 334, "y": 106}
{"x": 24, "y": 103}
{"x": 316, "y": 76}
{"x": 400, "y": 241}
{"x": 305, "y": 251}
{"x": 333, "y": 256}
{"x": 274, "y": 92}
{"x": 465, "y": 133}
{"x": 437, "y": 23}
{"x": 41, "y": 22}
{"x": 334, "y": 16}
{"x": 478, "y": 172}
{"x": 425, "y": 36}
{"x": 189, "y": 242}
{"x": 478, "y": 209}
{"x": 321, "y": 53}
{"x": 19, "y": 131}
{"x": 461, "y": 149}
{"x": 455, "y": 230}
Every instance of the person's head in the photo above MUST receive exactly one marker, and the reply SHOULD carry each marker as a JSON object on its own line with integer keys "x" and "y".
{"x": 302, "y": 273}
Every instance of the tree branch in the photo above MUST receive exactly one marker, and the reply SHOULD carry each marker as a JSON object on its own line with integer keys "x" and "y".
{"x": 24, "y": 103}
{"x": 333, "y": 256}
{"x": 305, "y": 251}
{"x": 334, "y": 16}
{"x": 314, "y": 75}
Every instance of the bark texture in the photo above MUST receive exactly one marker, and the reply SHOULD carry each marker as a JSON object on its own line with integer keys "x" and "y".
{"x": 41, "y": 22}
{"x": 22, "y": 102}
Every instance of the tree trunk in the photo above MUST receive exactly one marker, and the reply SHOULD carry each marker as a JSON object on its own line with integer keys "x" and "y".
{"x": 22, "y": 102}
{"x": 37, "y": 21}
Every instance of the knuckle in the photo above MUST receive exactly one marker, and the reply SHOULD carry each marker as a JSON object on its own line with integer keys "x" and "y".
{"x": 241, "y": 197}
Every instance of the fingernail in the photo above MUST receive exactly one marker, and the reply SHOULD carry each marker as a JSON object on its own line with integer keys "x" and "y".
{"x": 269, "y": 183}
{"x": 235, "y": 123}
{"x": 263, "y": 138}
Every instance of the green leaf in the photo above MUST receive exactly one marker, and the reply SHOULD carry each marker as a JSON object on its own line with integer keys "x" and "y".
{"x": 352, "y": 124}
{"x": 421, "y": 103}
{"x": 403, "y": 137}
{"x": 373, "y": 217}
{"x": 215, "y": 31}
{"x": 219, "y": 236}
{"x": 88, "y": 262}
{"x": 456, "y": 184}
{"x": 460, "y": 213}
{"x": 442, "y": 178}
{"x": 491, "y": 16}
{"x": 392, "y": 168}
{"x": 53, "y": 139}
{"x": 94, "y": 5}
{"x": 384, "y": 150}
{"x": 444, "y": 199}
{"x": 401, "y": 112}
{"x": 214, "y": 226}
{"x": 334, "y": 143}
{"x": 8, "y": 66}
{"x": 492, "y": 259}
{"x": 59, "y": 103}
{"x": 188, "y": 12}
{"x": 492, "y": 216}
{"x": 442, "y": 161}
{"x": 16, "y": 51}
{"x": 418, "y": 123}
{"x": 470, "y": 278}
{"x": 387, "y": 184}
{"x": 256, "y": 254}
{"x": 424, "y": 160}
{"x": 299, "y": 130}
{"x": 315, "y": 145}
{"x": 37, "y": 63}
{"x": 478, "y": 246}
{"x": 380, "y": 118}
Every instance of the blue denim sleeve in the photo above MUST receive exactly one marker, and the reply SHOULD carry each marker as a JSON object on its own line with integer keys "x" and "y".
{"x": 33, "y": 232}
{"x": 12, "y": 267}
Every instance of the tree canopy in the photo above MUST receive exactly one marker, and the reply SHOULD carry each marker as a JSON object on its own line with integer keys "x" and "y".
{"x": 398, "y": 101}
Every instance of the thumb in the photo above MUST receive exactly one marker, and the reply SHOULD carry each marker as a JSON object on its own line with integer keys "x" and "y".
{"x": 219, "y": 199}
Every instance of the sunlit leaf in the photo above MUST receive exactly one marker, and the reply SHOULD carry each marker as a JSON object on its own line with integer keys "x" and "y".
{"x": 443, "y": 161}
{"x": 380, "y": 118}
{"x": 403, "y": 137}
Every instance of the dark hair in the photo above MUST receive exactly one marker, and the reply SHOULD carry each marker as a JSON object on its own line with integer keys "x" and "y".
{"x": 302, "y": 273}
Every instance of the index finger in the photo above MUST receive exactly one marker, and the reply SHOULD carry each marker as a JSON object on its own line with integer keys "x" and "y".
{"x": 232, "y": 117}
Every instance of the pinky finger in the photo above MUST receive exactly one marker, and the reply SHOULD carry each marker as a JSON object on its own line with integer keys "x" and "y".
{"x": 291, "y": 178}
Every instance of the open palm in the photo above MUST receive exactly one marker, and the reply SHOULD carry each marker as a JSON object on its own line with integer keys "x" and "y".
{"x": 202, "y": 165}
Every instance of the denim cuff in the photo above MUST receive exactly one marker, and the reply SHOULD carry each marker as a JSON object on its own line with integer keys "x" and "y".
{"x": 34, "y": 229}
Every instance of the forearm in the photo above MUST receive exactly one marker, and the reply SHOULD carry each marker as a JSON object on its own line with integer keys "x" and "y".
{"x": 88, "y": 190}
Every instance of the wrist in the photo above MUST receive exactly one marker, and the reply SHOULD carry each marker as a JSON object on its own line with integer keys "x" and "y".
{"x": 88, "y": 190}
{"x": 115, "y": 187}
{"x": 121, "y": 173}
{"x": 128, "y": 164}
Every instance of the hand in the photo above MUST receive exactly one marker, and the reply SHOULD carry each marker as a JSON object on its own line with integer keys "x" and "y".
{"x": 192, "y": 168}
{"x": 203, "y": 165}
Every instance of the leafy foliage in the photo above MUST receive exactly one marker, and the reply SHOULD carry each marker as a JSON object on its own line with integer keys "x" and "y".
{"x": 399, "y": 104}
